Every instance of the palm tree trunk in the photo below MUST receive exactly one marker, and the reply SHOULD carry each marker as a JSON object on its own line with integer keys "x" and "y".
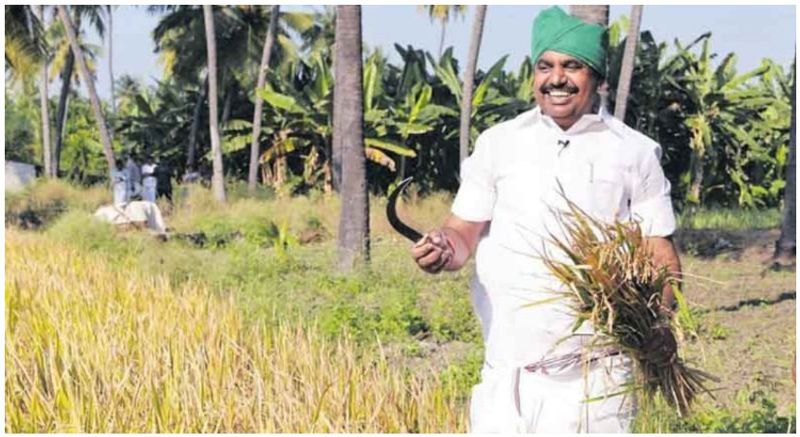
{"x": 786, "y": 246}
{"x": 226, "y": 107}
{"x": 217, "y": 181}
{"x": 628, "y": 61}
{"x": 336, "y": 153}
{"x": 595, "y": 14}
{"x": 348, "y": 123}
{"x": 83, "y": 70}
{"x": 696, "y": 161}
{"x": 262, "y": 78}
{"x": 111, "y": 57}
{"x": 45, "y": 108}
{"x": 63, "y": 109}
{"x": 441, "y": 39}
{"x": 191, "y": 151}
{"x": 469, "y": 78}
{"x": 47, "y": 159}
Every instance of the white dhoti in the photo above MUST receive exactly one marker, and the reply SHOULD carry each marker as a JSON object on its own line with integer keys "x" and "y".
{"x": 590, "y": 397}
{"x": 515, "y": 400}
{"x": 149, "y": 189}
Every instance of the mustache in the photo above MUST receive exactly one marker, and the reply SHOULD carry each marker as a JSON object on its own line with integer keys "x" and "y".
{"x": 546, "y": 88}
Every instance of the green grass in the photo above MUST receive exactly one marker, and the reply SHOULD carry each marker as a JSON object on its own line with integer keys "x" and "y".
{"x": 729, "y": 219}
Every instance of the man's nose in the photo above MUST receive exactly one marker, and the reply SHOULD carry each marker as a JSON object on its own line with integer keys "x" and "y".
{"x": 557, "y": 77}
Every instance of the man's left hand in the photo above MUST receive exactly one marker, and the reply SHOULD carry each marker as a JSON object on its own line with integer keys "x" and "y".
{"x": 660, "y": 347}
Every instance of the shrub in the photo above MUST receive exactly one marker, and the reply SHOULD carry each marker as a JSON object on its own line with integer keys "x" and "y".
{"x": 41, "y": 203}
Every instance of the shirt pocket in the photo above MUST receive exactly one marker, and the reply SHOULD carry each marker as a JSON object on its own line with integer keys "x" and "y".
{"x": 606, "y": 189}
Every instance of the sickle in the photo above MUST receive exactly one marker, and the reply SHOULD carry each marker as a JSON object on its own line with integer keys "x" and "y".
{"x": 391, "y": 213}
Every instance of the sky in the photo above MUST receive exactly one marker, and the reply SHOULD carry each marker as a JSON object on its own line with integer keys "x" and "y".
{"x": 752, "y": 32}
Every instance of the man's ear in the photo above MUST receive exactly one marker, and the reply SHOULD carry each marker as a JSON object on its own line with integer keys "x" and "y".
{"x": 602, "y": 86}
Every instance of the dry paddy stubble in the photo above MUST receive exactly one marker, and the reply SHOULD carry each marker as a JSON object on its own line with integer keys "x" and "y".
{"x": 97, "y": 347}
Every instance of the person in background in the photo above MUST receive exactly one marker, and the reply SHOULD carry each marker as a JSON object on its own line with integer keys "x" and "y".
{"x": 134, "y": 178}
{"x": 119, "y": 184}
{"x": 149, "y": 181}
{"x": 164, "y": 180}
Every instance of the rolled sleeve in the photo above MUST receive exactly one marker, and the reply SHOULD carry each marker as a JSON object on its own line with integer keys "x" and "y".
{"x": 476, "y": 196}
{"x": 651, "y": 204}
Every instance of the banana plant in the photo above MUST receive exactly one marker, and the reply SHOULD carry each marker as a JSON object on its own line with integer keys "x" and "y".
{"x": 714, "y": 109}
{"x": 758, "y": 156}
{"x": 299, "y": 125}
{"x": 378, "y": 126}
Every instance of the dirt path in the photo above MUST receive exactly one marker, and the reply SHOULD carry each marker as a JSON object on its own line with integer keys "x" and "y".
{"x": 747, "y": 316}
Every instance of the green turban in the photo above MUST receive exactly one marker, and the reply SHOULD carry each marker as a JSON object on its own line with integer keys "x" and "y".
{"x": 554, "y": 30}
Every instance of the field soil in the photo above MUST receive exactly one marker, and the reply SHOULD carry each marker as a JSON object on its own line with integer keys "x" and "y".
{"x": 746, "y": 307}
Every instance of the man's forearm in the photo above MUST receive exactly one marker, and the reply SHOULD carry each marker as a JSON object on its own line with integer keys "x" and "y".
{"x": 461, "y": 250}
{"x": 664, "y": 254}
{"x": 463, "y": 238}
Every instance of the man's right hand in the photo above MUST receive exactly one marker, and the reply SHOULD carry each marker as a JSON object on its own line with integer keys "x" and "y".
{"x": 449, "y": 247}
{"x": 433, "y": 252}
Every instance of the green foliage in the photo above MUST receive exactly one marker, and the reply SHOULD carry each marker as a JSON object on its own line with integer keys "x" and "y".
{"x": 82, "y": 230}
{"x": 724, "y": 134}
{"x": 763, "y": 419}
{"x": 22, "y": 142}
{"x": 729, "y": 218}
{"x": 82, "y": 156}
{"x": 755, "y": 413}
{"x": 464, "y": 375}
{"x": 719, "y": 332}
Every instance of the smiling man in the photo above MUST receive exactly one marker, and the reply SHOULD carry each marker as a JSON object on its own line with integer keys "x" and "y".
{"x": 503, "y": 213}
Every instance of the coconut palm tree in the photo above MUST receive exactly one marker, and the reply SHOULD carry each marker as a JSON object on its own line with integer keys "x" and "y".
{"x": 217, "y": 181}
{"x": 26, "y": 50}
{"x": 179, "y": 38}
{"x": 348, "y": 124}
{"x": 89, "y": 82}
{"x": 25, "y": 42}
{"x": 628, "y": 61}
{"x": 64, "y": 63}
{"x": 252, "y": 175}
{"x": 442, "y": 14}
{"x": 786, "y": 246}
{"x": 469, "y": 78}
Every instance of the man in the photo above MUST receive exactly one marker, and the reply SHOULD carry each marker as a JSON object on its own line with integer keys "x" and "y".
{"x": 503, "y": 212}
{"x": 119, "y": 184}
{"x": 149, "y": 181}
{"x": 164, "y": 180}
{"x": 134, "y": 177}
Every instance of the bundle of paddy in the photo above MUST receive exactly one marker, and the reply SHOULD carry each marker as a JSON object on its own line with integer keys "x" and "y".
{"x": 612, "y": 281}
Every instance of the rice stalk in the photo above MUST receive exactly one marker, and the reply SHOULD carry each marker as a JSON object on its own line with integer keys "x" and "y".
{"x": 92, "y": 346}
{"x": 611, "y": 280}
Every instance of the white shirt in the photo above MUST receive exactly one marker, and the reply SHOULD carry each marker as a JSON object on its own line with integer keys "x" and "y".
{"x": 512, "y": 180}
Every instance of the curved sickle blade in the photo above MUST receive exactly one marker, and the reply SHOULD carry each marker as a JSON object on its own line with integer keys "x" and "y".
{"x": 391, "y": 213}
